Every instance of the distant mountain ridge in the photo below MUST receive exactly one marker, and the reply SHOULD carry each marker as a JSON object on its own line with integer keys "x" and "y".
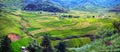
{"x": 62, "y": 5}
{"x": 103, "y": 3}
{"x": 42, "y": 5}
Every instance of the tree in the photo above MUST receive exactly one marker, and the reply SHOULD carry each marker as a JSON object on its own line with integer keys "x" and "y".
{"x": 5, "y": 44}
{"x": 31, "y": 48}
{"x": 46, "y": 45}
{"x": 34, "y": 47}
{"x": 61, "y": 47}
{"x": 116, "y": 25}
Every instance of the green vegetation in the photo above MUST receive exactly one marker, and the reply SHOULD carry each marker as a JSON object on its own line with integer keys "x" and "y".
{"x": 22, "y": 42}
{"x": 38, "y": 25}
{"x": 107, "y": 43}
{"x": 5, "y": 44}
{"x": 77, "y": 42}
{"x": 74, "y": 31}
{"x": 32, "y": 29}
{"x": 9, "y": 24}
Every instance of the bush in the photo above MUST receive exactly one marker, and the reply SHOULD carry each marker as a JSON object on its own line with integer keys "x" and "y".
{"x": 103, "y": 32}
{"x": 116, "y": 25}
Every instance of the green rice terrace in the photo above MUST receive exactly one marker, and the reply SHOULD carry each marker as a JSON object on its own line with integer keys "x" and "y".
{"x": 58, "y": 31}
{"x": 75, "y": 32}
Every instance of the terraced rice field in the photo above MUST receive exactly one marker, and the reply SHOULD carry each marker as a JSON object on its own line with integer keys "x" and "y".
{"x": 37, "y": 25}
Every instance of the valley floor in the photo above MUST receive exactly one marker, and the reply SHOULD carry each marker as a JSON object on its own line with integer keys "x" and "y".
{"x": 76, "y": 29}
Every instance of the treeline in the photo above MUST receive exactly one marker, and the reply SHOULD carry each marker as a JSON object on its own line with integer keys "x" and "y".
{"x": 44, "y": 46}
{"x": 5, "y": 44}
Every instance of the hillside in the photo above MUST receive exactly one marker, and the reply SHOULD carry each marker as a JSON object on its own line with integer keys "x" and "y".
{"x": 63, "y": 5}
{"x": 101, "y": 3}
{"x": 75, "y": 32}
{"x": 43, "y": 6}
{"x": 88, "y": 5}
{"x": 59, "y": 26}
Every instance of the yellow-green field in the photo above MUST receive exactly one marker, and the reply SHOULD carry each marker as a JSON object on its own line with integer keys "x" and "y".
{"x": 39, "y": 24}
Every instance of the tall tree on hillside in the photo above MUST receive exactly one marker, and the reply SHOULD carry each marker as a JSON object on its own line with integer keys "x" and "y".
{"x": 46, "y": 44}
{"x": 5, "y": 44}
{"x": 61, "y": 47}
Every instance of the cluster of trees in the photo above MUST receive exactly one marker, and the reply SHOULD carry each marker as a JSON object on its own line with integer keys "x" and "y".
{"x": 45, "y": 46}
{"x": 5, "y": 44}
{"x": 116, "y": 25}
{"x": 69, "y": 16}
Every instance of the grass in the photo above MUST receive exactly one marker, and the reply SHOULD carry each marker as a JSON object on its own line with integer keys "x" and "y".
{"x": 27, "y": 15}
{"x": 99, "y": 44}
{"x": 9, "y": 24}
{"x": 56, "y": 23}
{"x": 54, "y": 26}
{"x": 22, "y": 42}
{"x": 65, "y": 27}
{"x": 77, "y": 42}
{"x": 71, "y": 32}
{"x": 32, "y": 29}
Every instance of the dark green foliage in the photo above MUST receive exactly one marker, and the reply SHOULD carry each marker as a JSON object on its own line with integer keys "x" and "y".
{"x": 61, "y": 47}
{"x": 76, "y": 16}
{"x": 5, "y": 44}
{"x": 93, "y": 16}
{"x": 70, "y": 16}
{"x": 116, "y": 25}
{"x": 46, "y": 44}
{"x": 105, "y": 32}
{"x": 33, "y": 47}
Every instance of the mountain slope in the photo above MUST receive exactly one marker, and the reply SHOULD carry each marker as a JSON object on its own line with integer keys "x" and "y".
{"x": 104, "y": 3}
{"x": 42, "y": 5}
{"x": 115, "y": 9}
{"x": 62, "y": 5}
{"x": 88, "y": 5}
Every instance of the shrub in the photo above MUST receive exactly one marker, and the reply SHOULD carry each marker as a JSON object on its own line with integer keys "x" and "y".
{"x": 116, "y": 25}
